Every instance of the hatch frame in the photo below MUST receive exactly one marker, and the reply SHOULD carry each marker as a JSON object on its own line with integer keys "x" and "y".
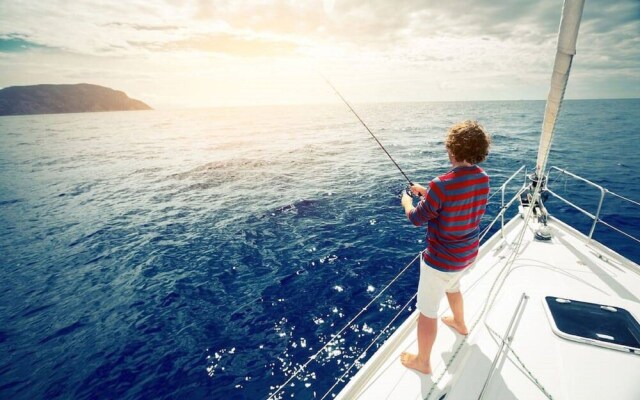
{"x": 587, "y": 340}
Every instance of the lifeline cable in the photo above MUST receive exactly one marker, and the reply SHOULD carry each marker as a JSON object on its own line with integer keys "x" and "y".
{"x": 337, "y": 335}
{"x": 491, "y": 295}
{"x": 369, "y": 130}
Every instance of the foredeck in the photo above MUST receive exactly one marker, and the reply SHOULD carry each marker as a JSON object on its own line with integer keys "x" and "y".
{"x": 540, "y": 364}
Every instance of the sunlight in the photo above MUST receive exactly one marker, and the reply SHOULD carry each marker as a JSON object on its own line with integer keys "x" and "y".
{"x": 268, "y": 52}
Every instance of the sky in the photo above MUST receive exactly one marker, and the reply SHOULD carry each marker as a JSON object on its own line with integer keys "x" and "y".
{"x": 207, "y": 53}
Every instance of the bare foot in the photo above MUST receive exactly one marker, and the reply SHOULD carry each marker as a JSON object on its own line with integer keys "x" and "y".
{"x": 461, "y": 328}
{"x": 411, "y": 361}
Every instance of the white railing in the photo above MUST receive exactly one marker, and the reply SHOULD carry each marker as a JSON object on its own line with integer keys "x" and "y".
{"x": 503, "y": 207}
{"x": 595, "y": 217}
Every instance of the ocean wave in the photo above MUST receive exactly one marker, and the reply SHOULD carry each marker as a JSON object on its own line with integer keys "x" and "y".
{"x": 10, "y": 202}
{"x": 158, "y": 274}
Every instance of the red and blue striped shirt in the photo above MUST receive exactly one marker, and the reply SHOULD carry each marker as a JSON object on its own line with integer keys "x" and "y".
{"x": 453, "y": 207}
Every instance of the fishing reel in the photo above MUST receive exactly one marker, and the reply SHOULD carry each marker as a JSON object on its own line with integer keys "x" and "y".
{"x": 408, "y": 191}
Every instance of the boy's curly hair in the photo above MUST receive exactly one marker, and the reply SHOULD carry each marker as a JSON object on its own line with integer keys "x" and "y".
{"x": 467, "y": 141}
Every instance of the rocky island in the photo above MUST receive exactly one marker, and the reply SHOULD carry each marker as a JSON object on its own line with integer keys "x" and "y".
{"x": 53, "y": 99}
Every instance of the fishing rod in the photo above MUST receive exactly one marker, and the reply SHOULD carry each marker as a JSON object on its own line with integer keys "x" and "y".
{"x": 367, "y": 128}
{"x": 335, "y": 336}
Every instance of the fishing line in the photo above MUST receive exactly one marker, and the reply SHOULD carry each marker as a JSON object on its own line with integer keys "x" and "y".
{"x": 336, "y": 336}
{"x": 367, "y": 128}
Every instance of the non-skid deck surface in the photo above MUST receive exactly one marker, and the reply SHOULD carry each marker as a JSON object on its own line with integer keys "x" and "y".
{"x": 541, "y": 365}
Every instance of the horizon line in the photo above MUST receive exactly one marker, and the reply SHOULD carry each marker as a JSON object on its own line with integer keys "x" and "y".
{"x": 164, "y": 108}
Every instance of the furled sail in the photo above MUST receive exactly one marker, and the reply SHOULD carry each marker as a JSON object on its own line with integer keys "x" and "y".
{"x": 567, "y": 37}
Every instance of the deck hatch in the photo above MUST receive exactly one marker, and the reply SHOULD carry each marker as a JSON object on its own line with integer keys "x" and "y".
{"x": 597, "y": 324}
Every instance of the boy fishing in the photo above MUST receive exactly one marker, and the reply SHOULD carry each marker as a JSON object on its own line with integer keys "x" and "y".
{"x": 452, "y": 206}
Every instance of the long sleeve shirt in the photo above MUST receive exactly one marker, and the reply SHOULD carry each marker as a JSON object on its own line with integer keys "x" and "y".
{"x": 452, "y": 208}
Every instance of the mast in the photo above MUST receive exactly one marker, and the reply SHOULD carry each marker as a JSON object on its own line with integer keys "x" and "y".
{"x": 567, "y": 37}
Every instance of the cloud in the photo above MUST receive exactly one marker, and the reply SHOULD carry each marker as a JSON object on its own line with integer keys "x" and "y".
{"x": 17, "y": 44}
{"x": 141, "y": 27}
{"x": 435, "y": 32}
{"x": 223, "y": 44}
{"x": 611, "y": 17}
{"x": 234, "y": 45}
{"x": 86, "y": 27}
{"x": 380, "y": 21}
{"x": 369, "y": 25}
{"x": 473, "y": 46}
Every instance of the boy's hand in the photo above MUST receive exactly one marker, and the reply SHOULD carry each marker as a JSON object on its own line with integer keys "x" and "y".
{"x": 418, "y": 189}
{"x": 406, "y": 201}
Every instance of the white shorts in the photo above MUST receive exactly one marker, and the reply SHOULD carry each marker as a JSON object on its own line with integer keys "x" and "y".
{"x": 432, "y": 287}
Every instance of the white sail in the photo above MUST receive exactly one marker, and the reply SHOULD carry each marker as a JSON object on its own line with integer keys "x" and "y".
{"x": 567, "y": 37}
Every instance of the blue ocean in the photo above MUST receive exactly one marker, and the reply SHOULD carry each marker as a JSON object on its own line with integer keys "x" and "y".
{"x": 207, "y": 254}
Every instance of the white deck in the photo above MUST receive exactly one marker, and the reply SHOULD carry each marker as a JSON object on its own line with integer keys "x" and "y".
{"x": 565, "y": 267}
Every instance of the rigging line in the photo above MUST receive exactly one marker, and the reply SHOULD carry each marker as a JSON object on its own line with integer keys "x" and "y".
{"x": 367, "y": 128}
{"x": 398, "y": 314}
{"x": 486, "y": 228}
{"x": 394, "y": 318}
{"x": 337, "y": 335}
{"x": 623, "y": 198}
{"x": 527, "y": 370}
{"x": 368, "y": 347}
{"x": 501, "y": 213}
{"x": 491, "y": 295}
{"x": 481, "y": 236}
{"x": 493, "y": 194}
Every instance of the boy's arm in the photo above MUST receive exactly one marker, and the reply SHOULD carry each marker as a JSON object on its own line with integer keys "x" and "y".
{"x": 407, "y": 204}
{"x": 428, "y": 208}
